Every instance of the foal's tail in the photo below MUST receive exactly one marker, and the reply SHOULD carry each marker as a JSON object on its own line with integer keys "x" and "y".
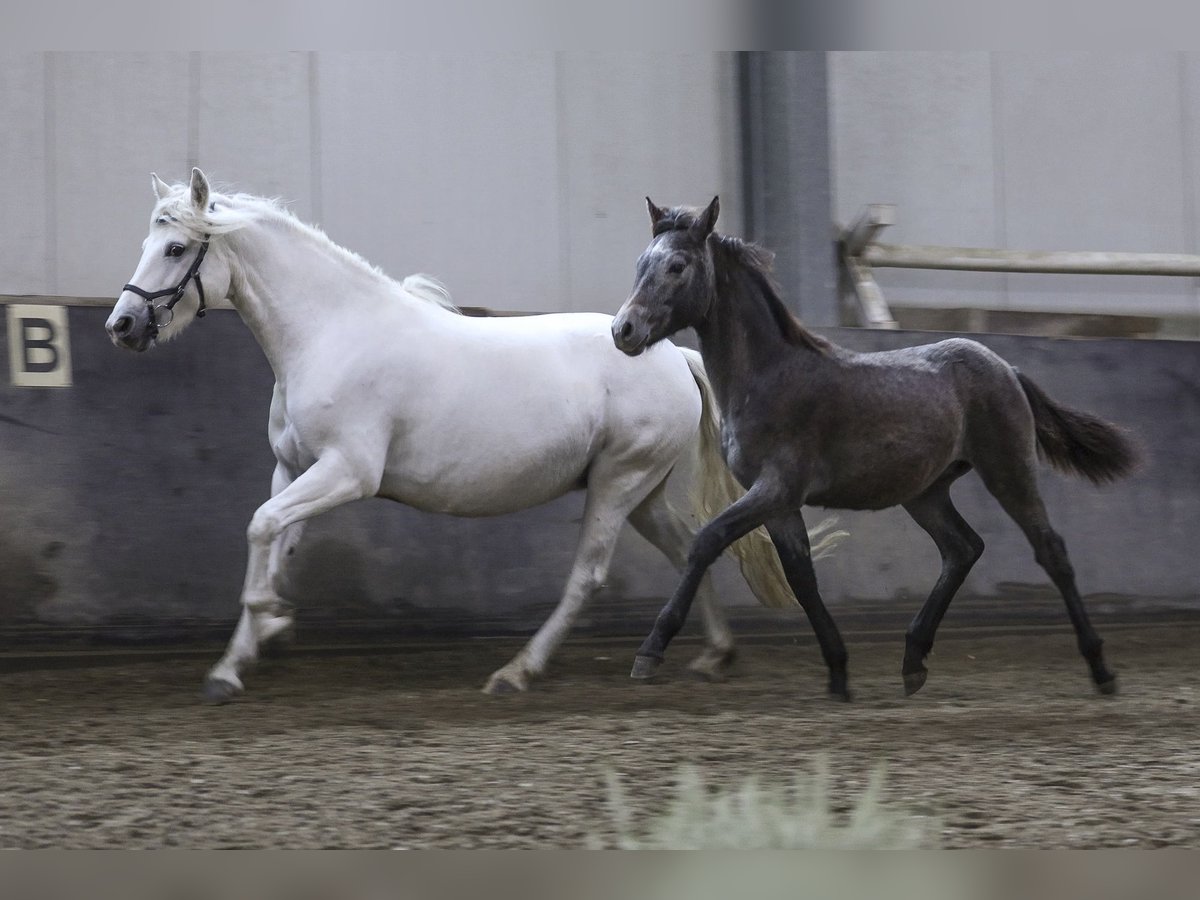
{"x": 1077, "y": 442}
{"x": 714, "y": 489}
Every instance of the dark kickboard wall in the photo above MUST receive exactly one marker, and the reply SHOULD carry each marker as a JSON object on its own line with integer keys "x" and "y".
{"x": 124, "y": 501}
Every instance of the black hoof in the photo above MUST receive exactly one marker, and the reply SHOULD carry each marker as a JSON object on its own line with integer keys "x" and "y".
{"x": 1109, "y": 687}
{"x": 914, "y": 681}
{"x": 644, "y": 667}
{"x": 839, "y": 689}
{"x": 218, "y": 691}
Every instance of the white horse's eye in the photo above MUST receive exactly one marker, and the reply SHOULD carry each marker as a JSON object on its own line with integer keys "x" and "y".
{"x": 174, "y": 250}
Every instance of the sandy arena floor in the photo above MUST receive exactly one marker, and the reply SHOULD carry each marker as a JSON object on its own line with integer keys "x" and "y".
{"x": 1007, "y": 744}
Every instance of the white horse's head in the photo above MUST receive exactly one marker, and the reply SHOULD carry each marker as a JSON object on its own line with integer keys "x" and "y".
{"x": 178, "y": 273}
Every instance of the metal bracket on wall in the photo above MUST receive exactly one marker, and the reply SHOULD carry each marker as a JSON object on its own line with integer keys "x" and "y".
{"x": 860, "y": 292}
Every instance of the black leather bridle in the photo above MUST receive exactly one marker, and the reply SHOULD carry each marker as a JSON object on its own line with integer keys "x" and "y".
{"x": 175, "y": 293}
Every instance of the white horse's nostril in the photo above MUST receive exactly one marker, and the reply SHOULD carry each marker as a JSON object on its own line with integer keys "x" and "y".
{"x": 121, "y": 327}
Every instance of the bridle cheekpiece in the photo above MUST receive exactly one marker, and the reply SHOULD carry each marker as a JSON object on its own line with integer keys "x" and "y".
{"x": 175, "y": 293}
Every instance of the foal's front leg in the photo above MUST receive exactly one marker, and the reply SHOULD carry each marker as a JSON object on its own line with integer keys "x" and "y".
{"x": 330, "y": 482}
{"x": 753, "y": 509}
{"x": 660, "y": 524}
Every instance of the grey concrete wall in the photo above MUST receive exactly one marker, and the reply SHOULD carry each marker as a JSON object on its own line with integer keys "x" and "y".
{"x": 125, "y": 500}
{"x": 517, "y": 178}
{"x": 1049, "y": 151}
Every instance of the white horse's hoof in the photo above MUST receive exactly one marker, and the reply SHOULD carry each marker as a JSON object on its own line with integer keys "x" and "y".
{"x": 273, "y": 628}
{"x": 505, "y": 682}
{"x": 644, "y": 667}
{"x": 218, "y": 690}
{"x": 713, "y": 664}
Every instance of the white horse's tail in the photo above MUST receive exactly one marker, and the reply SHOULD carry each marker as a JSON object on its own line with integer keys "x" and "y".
{"x": 714, "y": 489}
{"x": 429, "y": 289}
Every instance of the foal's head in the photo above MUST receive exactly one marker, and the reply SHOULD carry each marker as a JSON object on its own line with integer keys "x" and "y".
{"x": 177, "y": 274}
{"x": 675, "y": 280}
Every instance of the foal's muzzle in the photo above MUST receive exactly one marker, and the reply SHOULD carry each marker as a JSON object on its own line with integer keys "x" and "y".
{"x": 630, "y": 332}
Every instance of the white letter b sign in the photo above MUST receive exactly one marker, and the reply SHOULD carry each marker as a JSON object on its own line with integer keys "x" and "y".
{"x": 39, "y": 350}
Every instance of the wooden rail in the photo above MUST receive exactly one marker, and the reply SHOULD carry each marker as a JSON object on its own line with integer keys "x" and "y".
{"x": 1058, "y": 262}
{"x": 859, "y": 252}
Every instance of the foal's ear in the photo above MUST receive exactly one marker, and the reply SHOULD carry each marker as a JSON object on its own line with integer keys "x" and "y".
{"x": 707, "y": 220}
{"x": 656, "y": 214}
{"x": 199, "y": 191}
{"x": 161, "y": 188}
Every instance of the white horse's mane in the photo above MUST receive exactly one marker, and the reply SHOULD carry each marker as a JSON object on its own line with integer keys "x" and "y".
{"x": 229, "y": 212}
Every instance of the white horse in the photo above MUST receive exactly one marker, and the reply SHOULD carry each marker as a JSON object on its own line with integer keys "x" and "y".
{"x": 384, "y": 389}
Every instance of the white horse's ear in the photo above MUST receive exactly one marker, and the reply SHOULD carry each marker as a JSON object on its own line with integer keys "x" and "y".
{"x": 707, "y": 220}
{"x": 199, "y": 191}
{"x": 161, "y": 188}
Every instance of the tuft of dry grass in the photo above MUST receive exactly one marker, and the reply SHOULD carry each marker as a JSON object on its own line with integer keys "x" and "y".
{"x": 751, "y": 815}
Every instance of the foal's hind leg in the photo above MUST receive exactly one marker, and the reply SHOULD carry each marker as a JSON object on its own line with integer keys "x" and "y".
{"x": 1016, "y": 489}
{"x": 667, "y": 530}
{"x": 960, "y": 548}
{"x": 790, "y": 537}
{"x": 614, "y": 489}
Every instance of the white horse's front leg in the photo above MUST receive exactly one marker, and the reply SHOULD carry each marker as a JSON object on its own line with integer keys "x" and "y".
{"x": 247, "y": 638}
{"x": 285, "y": 544}
{"x": 329, "y": 483}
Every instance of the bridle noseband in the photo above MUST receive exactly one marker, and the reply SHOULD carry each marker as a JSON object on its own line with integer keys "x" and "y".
{"x": 175, "y": 293}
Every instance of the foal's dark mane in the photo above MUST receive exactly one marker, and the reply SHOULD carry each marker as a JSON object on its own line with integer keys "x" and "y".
{"x": 741, "y": 267}
{"x": 753, "y": 263}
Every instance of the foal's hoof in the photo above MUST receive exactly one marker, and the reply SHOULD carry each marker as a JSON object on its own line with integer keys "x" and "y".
{"x": 218, "y": 690}
{"x": 914, "y": 681}
{"x": 839, "y": 689}
{"x": 644, "y": 667}
{"x": 1108, "y": 688}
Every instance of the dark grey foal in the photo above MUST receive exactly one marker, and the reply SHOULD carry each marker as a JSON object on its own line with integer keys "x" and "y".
{"x": 808, "y": 422}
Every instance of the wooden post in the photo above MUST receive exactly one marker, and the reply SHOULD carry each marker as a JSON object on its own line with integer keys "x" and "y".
{"x": 861, "y": 295}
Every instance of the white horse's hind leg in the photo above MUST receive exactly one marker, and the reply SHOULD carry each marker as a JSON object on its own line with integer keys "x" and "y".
{"x": 613, "y": 490}
{"x": 670, "y": 532}
{"x": 329, "y": 483}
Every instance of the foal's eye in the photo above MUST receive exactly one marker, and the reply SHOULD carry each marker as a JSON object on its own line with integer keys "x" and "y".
{"x": 676, "y": 267}
{"x": 174, "y": 250}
